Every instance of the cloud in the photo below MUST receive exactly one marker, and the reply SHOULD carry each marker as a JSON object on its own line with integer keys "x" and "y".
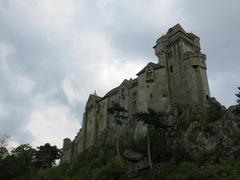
{"x": 52, "y": 123}
{"x": 53, "y": 54}
{"x": 217, "y": 24}
{"x": 72, "y": 93}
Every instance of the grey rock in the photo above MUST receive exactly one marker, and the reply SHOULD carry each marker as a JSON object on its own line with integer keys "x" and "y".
{"x": 132, "y": 155}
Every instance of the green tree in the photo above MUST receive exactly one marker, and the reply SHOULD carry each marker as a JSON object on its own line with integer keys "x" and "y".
{"x": 153, "y": 120}
{"x": 118, "y": 113}
{"x": 4, "y": 140}
{"x": 19, "y": 164}
{"x": 238, "y": 96}
{"x": 46, "y": 156}
{"x": 25, "y": 153}
{"x": 3, "y": 152}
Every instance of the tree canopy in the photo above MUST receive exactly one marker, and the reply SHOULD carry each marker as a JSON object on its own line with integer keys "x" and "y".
{"x": 152, "y": 118}
{"x": 238, "y": 96}
{"x": 119, "y": 113}
{"x": 46, "y": 156}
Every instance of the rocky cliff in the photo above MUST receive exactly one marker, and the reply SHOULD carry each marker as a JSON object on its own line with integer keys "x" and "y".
{"x": 207, "y": 133}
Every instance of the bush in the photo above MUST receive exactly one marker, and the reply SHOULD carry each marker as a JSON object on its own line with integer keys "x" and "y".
{"x": 112, "y": 170}
{"x": 60, "y": 172}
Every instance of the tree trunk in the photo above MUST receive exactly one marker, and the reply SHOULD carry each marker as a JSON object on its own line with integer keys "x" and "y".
{"x": 117, "y": 147}
{"x": 149, "y": 150}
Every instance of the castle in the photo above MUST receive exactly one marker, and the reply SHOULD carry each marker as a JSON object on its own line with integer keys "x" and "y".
{"x": 178, "y": 77}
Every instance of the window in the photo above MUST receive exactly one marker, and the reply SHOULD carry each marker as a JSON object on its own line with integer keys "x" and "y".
{"x": 134, "y": 94}
{"x": 169, "y": 54}
{"x": 149, "y": 75}
{"x": 171, "y": 69}
{"x": 122, "y": 93}
{"x": 151, "y": 95}
{"x": 207, "y": 97}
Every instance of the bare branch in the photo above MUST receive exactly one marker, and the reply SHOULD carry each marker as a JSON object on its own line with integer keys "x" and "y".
{"x": 4, "y": 140}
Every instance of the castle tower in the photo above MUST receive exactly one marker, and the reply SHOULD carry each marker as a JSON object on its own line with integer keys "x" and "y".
{"x": 180, "y": 53}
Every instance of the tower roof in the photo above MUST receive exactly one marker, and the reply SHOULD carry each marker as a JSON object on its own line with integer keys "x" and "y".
{"x": 154, "y": 66}
{"x": 173, "y": 30}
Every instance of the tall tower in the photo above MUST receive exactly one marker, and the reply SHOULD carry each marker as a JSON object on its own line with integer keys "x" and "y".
{"x": 180, "y": 53}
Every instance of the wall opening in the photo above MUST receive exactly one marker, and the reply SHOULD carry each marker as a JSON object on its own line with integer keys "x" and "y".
{"x": 171, "y": 69}
{"x": 207, "y": 97}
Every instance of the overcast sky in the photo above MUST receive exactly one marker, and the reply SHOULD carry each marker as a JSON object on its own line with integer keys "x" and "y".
{"x": 54, "y": 53}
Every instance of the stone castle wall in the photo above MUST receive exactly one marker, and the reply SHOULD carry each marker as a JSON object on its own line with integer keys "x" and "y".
{"x": 178, "y": 77}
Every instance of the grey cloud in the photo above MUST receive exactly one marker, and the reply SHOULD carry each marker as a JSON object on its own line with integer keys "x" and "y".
{"x": 217, "y": 24}
{"x": 130, "y": 28}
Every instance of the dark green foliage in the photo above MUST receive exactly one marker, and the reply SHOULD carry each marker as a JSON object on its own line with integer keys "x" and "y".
{"x": 46, "y": 156}
{"x": 205, "y": 115}
{"x": 192, "y": 171}
{"x": 18, "y": 165}
{"x": 104, "y": 166}
{"x": 112, "y": 170}
{"x": 238, "y": 96}
{"x": 214, "y": 112}
{"x": 3, "y": 152}
{"x": 140, "y": 145}
{"x": 116, "y": 108}
{"x": 119, "y": 118}
{"x": 89, "y": 166}
{"x": 152, "y": 118}
{"x": 23, "y": 161}
{"x": 57, "y": 173}
{"x": 118, "y": 112}
{"x": 160, "y": 148}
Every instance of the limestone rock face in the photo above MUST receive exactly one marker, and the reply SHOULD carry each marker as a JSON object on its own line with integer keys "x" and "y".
{"x": 135, "y": 162}
{"x": 210, "y": 130}
{"x": 132, "y": 155}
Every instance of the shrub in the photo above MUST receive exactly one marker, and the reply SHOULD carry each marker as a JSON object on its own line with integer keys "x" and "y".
{"x": 112, "y": 170}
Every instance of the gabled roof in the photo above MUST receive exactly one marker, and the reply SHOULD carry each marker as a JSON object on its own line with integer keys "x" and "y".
{"x": 128, "y": 83}
{"x": 153, "y": 65}
{"x": 132, "y": 83}
{"x": 93, "y": 98}
{"x": 173, "y": 30}
{"x": 125, "y": 82}
{"x": 111, "y": 93}
{"x": 97, "y": 98}
{"x": 192, "y": 35}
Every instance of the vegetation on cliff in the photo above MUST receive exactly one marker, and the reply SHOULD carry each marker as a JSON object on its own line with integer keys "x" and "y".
{"x": 24, "y": 162}
{"x": 192, "y": 142}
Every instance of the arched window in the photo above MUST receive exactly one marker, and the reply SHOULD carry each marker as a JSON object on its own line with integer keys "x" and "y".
{"x": 149, "y": 75}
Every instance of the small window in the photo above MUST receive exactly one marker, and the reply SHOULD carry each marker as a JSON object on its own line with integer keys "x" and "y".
{"x": 134, "y": 94}
{"x": 151, "y": 95}
{"x": 164, "y": 95}
{"x": 147, "y": 86}
{"x": 207, "y": 97}
{"x": 171, "y": 69}
{"x": 169, "y": 54}
{"x": 149, "y": 73}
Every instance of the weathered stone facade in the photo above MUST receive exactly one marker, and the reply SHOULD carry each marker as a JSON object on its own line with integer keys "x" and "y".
{"x": 178, "y": 77}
